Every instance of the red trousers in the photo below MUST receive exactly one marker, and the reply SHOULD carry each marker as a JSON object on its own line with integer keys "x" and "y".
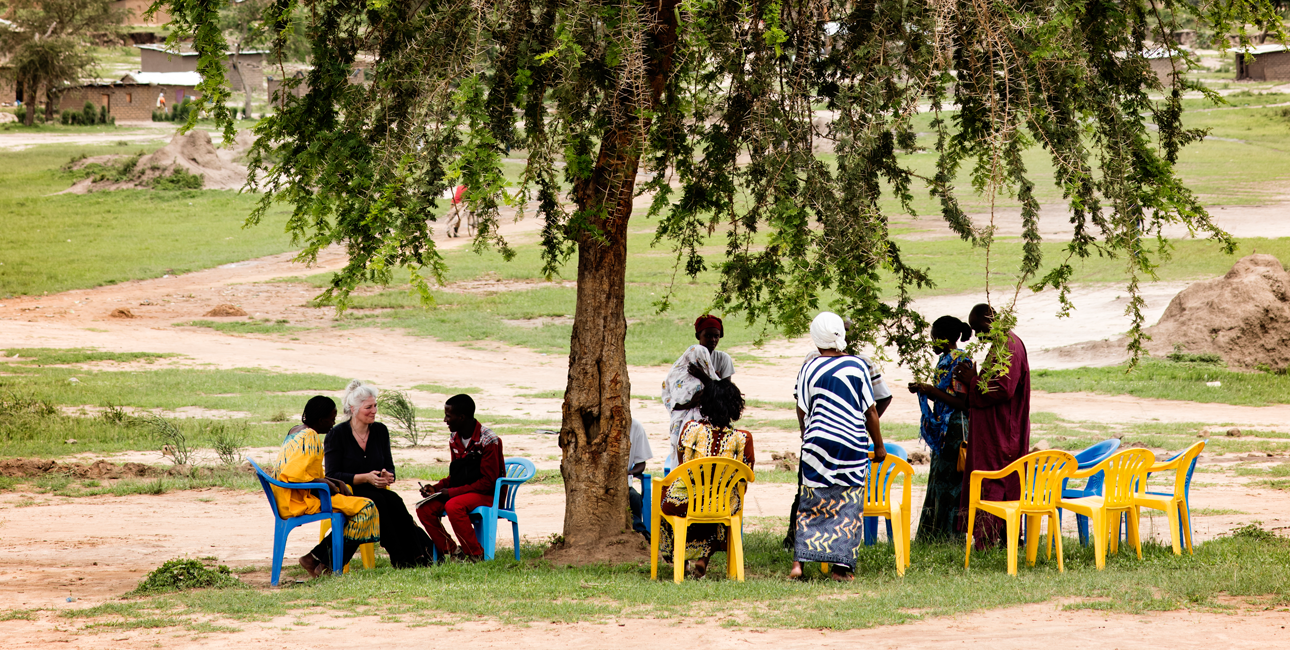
{"x": 458, "y": 509}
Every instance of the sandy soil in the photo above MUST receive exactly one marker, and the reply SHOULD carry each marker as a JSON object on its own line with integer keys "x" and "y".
{"x": 127, "y": 132}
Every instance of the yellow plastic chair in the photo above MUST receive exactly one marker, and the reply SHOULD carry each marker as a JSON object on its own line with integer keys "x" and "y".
{"x": 711, "y": 484}
{"x": 877, "y": 503}
{"x": 1175, "y": 505}
{"x": 366, "y": 551}
{"x": 1041, "y": 475}
{"x": 1125, "y": 481}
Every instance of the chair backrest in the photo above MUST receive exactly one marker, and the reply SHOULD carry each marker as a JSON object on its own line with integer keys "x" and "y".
{"x": 896, "y": 450}
{"x": 518, "y": 472}
{"x": 1126, "y": 475}
{"x": 1097, "y": 453}
{"x": 877, "y": 490}
{"x": 264, "y": 483}
{"x": 711, "y": 484}
{"x": 1186, "y": 465}
{"x": 1042, "y": 474}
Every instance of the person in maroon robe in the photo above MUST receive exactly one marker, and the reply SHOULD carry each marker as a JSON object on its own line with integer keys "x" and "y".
{"x": 998, "y": 427}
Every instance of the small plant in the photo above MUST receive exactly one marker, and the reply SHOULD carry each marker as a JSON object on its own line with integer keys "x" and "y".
{"x": 1181, "y": 356}
{"x": 279, "y": 416}
{"x": 174, "y": 444}
{"x": 178, "y": 179}
{"x": 117, "y": 415}
{"x": 228, "y": 441}
{"x": 180, "y": 574}
{"x": 1256, "y": 533}
{"x": 15, "y": 404}
{"x": 399, "y": 408}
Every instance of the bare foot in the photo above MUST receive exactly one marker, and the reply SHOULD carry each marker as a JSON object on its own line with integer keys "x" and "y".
{"x": 796, "y": 573}
{"x": 839, "y": 576}
{"x": 311, "y": 565}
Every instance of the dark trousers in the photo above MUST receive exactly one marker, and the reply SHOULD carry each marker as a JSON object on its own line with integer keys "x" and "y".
{"x": 637, "y": 504}
{"x": 401, "y": 537}
{"x": 322, "y": 552}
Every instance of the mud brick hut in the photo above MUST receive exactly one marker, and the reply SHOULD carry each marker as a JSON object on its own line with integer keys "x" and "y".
{"x": 135, "y": 96}
{"x": 156, "y": 58}
{"x": 1267, "y": 62}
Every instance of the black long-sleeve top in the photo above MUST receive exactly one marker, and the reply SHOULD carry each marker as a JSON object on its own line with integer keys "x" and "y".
{"x": 343, "y": 458}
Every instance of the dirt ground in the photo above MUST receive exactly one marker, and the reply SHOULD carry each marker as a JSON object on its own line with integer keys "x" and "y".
{"x": 94, "y": 549}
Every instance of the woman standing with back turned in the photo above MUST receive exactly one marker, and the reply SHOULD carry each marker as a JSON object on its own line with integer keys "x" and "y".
{"x": 838, "y": 418}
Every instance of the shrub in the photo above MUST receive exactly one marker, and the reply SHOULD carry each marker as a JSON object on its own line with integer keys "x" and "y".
{"x": 398, "y": 407}
{"x": 178, "y": 179}
{"x": 89, "y": 114}
{"x": 172, "y": 440}
{"x": 21, "y": 114}
{"x": 228, "y": 441}
{"x": 180, "y": 574}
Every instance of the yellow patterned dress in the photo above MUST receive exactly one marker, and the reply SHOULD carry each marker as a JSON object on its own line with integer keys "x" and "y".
{"x": 699, "y": 439}
{"x": 301, "y": 461}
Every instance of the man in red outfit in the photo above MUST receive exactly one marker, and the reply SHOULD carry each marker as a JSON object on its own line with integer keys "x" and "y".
{"x": 477, "y": 462}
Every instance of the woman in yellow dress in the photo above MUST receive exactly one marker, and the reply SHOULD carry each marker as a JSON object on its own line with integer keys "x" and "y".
{"x": 301, "y": 461}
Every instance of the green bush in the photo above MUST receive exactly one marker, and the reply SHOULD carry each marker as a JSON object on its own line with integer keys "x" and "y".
{"x": 21, "y": 114}
{"x": 180, "y": 574}
{"x": 178, "y": 179}
{"x": 89, "y": 114}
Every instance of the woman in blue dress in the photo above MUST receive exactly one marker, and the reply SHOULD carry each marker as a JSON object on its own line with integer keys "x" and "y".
{"x": 944, "y": 428}
{"x": 836, "y": 414}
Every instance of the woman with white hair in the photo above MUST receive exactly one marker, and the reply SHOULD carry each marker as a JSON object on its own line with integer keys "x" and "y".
{"x": 837, "y": 417}
{"x": 357, "y": 452}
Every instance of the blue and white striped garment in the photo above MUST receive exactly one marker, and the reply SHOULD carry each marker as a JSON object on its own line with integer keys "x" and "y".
{"x": 835, "y": 392}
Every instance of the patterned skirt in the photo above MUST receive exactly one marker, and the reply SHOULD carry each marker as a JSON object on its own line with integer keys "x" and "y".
{"x": 829, "y": 524}
{"x": 362, "y": 522}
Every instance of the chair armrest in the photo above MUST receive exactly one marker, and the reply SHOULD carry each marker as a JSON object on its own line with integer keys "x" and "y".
{"x": 324, "y": 491}
{"x": 1085, "y": 473}
{"x": 995, "y": 474}
{"x": 1173, "y": 464}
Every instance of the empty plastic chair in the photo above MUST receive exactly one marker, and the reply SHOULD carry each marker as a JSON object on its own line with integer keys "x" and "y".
{"x": 1176, "y": 504}
{"x": 1041, "y": 475}
{"x": 871, "y": 523}
{"x": 1093, "y": 487}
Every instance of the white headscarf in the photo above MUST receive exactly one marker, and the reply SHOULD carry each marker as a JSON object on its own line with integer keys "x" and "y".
{"x": 828, "y": 332}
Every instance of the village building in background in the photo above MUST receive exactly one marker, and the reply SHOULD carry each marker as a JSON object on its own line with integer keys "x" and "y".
{"x": 1270, "y": 62}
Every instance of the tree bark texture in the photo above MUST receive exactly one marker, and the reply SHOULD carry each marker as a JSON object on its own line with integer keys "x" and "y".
{"x": 595, "y": 435}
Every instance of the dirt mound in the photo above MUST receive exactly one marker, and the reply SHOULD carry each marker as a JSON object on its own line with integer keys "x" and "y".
{"x": 1243, "y": 316}
{"x": 99, "y": 469}
{"x": 188, "y": 153}
{"x": 628, "y": 547}
{"x": 225, "y": 310}
{"x": 121, "y": 312}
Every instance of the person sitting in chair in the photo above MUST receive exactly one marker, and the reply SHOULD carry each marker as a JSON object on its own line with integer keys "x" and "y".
{"x": 477, "y": 463}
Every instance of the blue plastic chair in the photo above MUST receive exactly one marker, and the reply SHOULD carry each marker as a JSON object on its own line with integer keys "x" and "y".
{"x": 647, "y": 502}
{"x": 282, "y": 527}
{"x": 871, "y": 523}
{"x": 484, "y": 518}
{"x": 1093, "y": 487}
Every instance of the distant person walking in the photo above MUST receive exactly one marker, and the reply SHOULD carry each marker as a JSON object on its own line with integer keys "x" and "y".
{"x": 683, "y": 387}
{"x": 944, "y": 428}
{"x": 998, "y": 424}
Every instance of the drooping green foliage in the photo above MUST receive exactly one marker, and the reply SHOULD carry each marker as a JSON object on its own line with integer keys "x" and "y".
{"x": 731, "y": 111}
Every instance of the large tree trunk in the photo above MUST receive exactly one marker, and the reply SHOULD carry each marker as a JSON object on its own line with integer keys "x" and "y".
{"x": 594, "y": 434}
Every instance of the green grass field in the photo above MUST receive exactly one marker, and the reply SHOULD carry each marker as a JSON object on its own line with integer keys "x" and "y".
{"x": 56, "y": 243}
{"x": 1163, "y": 379}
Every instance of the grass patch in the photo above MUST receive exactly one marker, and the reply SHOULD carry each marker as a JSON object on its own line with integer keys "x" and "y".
{"x": 1164, "y": 379}
{"x": 1246, "y": 564}
{"x": 262, "y": 326}
{"x": 440, "y": 389}
{"x": 70, "y": 356}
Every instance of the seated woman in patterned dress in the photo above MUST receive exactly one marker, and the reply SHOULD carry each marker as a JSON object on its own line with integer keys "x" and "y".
{"x": 709, "y": 436}
{"x": 301, "y": 461}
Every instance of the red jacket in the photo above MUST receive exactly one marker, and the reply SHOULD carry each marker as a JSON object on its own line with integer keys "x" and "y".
{"x": 492, "y": 464}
